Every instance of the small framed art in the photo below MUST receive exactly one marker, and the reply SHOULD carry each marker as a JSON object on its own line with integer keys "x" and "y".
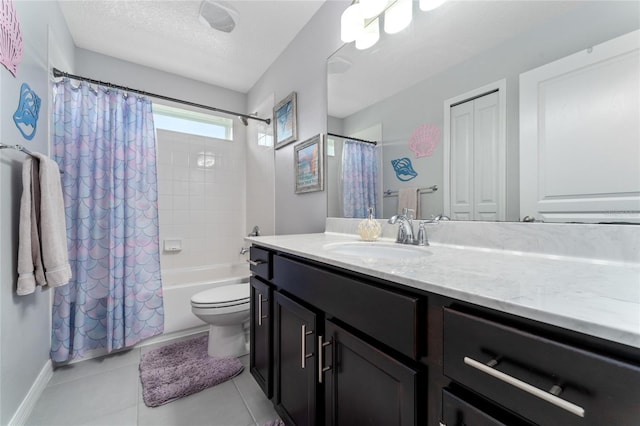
{"x": 309, "y": 165}
{"x": 285, "y": 116}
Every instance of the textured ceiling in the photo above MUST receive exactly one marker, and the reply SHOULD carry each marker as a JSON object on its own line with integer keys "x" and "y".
{"x": 168, "y": 36}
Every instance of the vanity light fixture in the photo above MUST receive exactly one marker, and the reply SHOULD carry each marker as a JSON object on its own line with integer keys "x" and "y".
{"x": 372, "y": 8}
{"x": 351, "y": 23}
{"x": 398, "y": 16}
{"x": 361, "y": 20}
{"x": 369, "y": 36}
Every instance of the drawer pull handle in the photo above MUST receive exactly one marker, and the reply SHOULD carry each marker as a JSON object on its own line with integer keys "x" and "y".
{"x": 260, "y": 316}
{"x": 303, "y": 346}
{"x": 546, "y": 396}
{"x": 321, "y": 367}
{"x": 255, "y": 262}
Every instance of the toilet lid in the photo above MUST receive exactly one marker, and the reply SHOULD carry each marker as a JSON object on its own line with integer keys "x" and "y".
{"x": 226, "y": 295}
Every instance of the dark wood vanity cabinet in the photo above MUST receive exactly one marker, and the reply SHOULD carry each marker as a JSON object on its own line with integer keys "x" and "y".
{"x": 348, "y": 349}
{"x": 543, "y": 380}
{"x": 295, "y": 352}
{"x": 261, "y": 335}
{"x": 261, "y": 324}
{"x": 364, "y": 385}
{"x": 326, "y": 371}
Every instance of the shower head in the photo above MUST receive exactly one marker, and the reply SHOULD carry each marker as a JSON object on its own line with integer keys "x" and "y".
{"x": 244, "y": 120}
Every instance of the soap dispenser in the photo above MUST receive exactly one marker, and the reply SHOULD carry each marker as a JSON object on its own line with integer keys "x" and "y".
{"x": 369, "y": 229}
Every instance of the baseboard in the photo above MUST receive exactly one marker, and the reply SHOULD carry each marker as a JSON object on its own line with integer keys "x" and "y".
{"x": 29, "y": 402}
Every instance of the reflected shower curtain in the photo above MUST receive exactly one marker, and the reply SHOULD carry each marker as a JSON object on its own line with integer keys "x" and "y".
{"x": 104, "y": 142}
{"x": 359, "y": 178}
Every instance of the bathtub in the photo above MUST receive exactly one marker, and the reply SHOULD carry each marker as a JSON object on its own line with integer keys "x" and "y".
{"x": 179, "y": 285}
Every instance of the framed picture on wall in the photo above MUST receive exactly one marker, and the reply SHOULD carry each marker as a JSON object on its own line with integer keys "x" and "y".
{"x": 285, "y": 116}
{"x": 309, "y": 165}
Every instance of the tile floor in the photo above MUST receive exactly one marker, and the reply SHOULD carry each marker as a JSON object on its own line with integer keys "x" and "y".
{"x": 107, "y": 391}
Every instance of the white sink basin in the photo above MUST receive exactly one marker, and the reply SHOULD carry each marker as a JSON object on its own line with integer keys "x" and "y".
{"x": 377, "y": 250}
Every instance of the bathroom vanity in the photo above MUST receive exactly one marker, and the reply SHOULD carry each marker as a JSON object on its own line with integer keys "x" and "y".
{"x": 442, "y": 335}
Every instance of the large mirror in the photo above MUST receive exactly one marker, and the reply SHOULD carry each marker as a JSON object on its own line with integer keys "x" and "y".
{"x": 399, "y": 92}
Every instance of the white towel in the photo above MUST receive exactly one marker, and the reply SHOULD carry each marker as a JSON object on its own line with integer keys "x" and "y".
{"x": 30, "y": 270}
{"x": 53, "y": 228}
{"x": 42, "y": 235}
{"x": 409, "y": 198}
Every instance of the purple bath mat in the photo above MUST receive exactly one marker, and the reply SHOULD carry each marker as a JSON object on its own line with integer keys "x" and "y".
{"x": 181, "y": 369}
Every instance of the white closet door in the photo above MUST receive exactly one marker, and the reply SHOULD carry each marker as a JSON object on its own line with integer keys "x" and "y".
{"x": 462, "y": 161}
{"x": 580, "y": 135}
{"x": 476, "y": 159}
{"x": 486, "y": 158}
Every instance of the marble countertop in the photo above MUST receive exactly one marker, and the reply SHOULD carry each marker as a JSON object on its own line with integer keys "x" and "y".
{"x": 595, "y": 297}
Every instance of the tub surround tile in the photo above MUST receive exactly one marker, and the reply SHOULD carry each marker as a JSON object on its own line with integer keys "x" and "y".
{"x": 589, "y": 295}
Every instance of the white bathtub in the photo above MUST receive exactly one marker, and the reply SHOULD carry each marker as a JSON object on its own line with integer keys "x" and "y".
{"x": 179, "y": 285}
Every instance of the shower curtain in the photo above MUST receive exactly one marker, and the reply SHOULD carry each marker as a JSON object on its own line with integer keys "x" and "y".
{"x": 359, "y": 178}
{"x": 104, "y": 142}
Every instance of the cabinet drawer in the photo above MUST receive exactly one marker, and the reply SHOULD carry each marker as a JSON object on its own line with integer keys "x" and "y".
{"x": 388, "y": 316}
{"x": 542, "y": 380}
{"x": 458, "y": 412}
{"x": 260, "y": 263}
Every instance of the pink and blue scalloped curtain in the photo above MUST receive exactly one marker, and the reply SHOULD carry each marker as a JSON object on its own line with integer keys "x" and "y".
{"x": 359, "y": 178}
{"x": 104, "y": 142}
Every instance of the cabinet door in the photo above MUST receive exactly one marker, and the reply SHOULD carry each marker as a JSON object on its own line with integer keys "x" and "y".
{"x": 261, "y": 354}
{"x": 364, "y": 386}
{"x": 296, "y": 388}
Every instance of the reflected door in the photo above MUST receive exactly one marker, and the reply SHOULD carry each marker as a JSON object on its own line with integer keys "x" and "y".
{"x": 580, "y": 136}
{"x": 475, "y": 172}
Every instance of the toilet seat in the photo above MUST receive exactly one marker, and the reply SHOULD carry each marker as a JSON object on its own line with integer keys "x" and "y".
{"x": 222, "y": 297}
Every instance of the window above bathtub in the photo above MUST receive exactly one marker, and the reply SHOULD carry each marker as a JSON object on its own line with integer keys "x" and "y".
{"x": 191, "y": 122}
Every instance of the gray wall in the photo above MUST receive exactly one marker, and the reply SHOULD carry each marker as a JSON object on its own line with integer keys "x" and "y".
{"x": 109, "y": 69}
{"x": 423, "y": 103}
{"x": 25, "y": 320}
{"x": 302, "y": 68}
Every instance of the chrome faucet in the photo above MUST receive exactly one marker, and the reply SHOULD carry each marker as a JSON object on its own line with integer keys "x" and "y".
{"x": 405, "y": 230}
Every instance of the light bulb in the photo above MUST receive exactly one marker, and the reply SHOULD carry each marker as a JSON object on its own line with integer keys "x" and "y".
{"x": 398, "y": 16}
{"x": 351, "y": 23}
{"x": 369, "y": 36}
{"x": 430, "y": 4}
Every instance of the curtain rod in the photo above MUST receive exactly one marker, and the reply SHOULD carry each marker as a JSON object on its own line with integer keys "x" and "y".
{"x": 243, "y": 117}
{"x": 353, "y": 139}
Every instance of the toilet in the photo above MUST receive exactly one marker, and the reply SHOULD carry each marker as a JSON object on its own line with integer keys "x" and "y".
{"x": 226, "y": 310}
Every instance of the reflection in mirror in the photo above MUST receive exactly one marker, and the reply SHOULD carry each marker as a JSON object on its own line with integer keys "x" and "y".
{"x": 423, "y": 94}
